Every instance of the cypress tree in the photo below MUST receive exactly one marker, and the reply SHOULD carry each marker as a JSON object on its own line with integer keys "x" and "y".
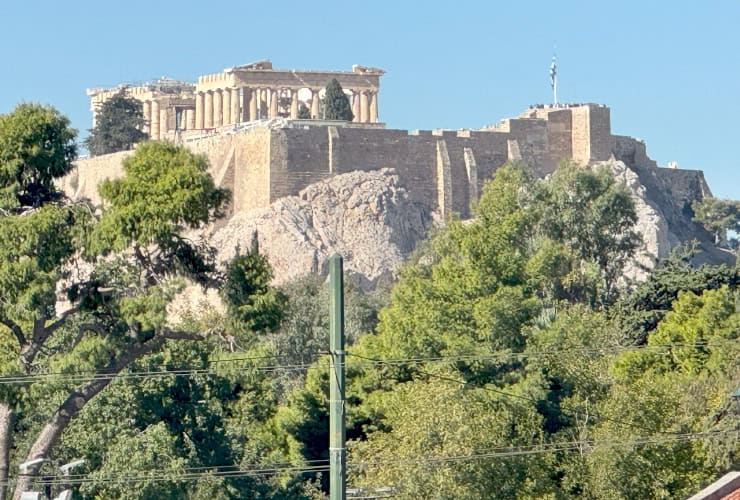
{"x": 336, "y": 103}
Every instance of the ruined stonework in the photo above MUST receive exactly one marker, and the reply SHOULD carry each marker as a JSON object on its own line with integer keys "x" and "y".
{"x": 175, "y": 109}
{"x": 440, "y": 171}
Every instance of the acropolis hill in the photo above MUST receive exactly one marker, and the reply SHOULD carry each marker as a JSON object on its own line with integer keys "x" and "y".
{"x": 244, "y": 120}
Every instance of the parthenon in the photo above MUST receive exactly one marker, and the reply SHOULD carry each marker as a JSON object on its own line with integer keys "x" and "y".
{"x": 242, "y": 94}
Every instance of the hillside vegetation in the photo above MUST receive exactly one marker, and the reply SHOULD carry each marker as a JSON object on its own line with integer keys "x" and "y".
{"x": 509, "y": 360}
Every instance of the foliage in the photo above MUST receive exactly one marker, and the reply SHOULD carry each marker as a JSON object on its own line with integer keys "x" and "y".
{"x": 303, "y": 112}
{"x": 417, "y": 455}
{"x": 251, "y": 304}
{"x": 166, "y": 189}
{"x": 119, "y": 125}
{"x": 36, "y": 146}
{"x": 593, "y": 217}
{"x": 640, "y": 311}
{"x": 336, "y": 103}
{"x": 680, "y": 383}
{"x": 507, "y": 362}
{"x": 720, "y": 217}
{"x": 120, "y": 270}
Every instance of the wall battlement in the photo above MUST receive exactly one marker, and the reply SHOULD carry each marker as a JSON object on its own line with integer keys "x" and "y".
{"x": 443, "y": 170}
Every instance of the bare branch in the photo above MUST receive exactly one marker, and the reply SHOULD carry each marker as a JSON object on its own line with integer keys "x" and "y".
{"x": 62, "y": 319}
{"x": 76, "y": 401}
{"x": 15, "y": 329}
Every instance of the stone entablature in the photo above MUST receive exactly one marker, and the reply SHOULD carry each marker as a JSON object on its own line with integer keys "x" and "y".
{"x": 242, "y": 94}
{"x": 167, "y": 104}
{"x": 261, "y": 161}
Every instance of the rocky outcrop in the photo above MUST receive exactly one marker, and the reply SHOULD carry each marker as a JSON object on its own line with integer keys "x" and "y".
{"x": 657, "y": 240}
{"x": 663, "y": 199}
{"x": 367, "y": 217}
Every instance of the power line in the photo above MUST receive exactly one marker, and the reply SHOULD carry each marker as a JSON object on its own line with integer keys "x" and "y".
{"x": 86, "y": 376}
{"x": 535, "y": 354}
{"x": 195, "y": 473}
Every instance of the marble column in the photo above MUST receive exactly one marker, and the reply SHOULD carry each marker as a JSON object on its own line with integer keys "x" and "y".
{"x": 373, "y": 107}
{"x": 154, "y": 126}
{"x": 364, "y": 107}
{"x": 315, "y": 104}
{"x": 147, "y": 110}
{"x": 235, "y": 106}
{"x": 254, "y": 104}
{"x": 226, "y": 110}
{"x": 293, "y": 104}
{"x": 189, "y": 119}
{"x": 246, "y": 104}
{"x": 163, "y": 123}
{"x": 274, "y": 96}
{"x": 355, "y": 106}
{"x": 208, "y": 110}
{"x": 218, "y": 108}
{"x": 199, "y": 110}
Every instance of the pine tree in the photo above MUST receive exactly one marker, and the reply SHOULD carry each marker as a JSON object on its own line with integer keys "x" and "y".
{"x": 336, "y": 103}
{"x": 118, "y": 126}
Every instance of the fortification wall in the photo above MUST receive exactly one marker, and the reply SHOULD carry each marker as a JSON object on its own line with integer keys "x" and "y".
{"x": 441, "y": 169}
{"x": 600, "y": 132}
{"x": 298, "y": 157}
{"x": 560, "y": 135}
{"x": 82, "y": 182}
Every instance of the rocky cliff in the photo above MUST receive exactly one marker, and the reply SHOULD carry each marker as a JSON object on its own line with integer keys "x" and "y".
{"x": 365, "y": 216}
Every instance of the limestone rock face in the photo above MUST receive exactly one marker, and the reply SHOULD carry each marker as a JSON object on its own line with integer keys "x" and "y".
{"x": 662, "y": 200}
{"x": 657, "y": 240}
{"x": 367, "y": 217}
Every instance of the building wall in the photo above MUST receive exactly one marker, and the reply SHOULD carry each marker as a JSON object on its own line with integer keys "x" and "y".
{"x": 441, "y": 169}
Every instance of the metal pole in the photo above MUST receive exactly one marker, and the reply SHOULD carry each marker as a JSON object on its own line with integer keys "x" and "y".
{"x": 337, "y": 450}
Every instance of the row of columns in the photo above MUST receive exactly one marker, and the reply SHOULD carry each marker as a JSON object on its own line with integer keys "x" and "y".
{"x": 224, "y": 107}
{"x": 157, "y": 119}
{"x": 216, "y": 108}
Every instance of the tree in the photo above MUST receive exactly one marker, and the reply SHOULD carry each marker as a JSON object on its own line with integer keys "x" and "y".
{"x": 593, "y": 218}
{"x": 36, "y": 146}
{"x": 129, "y": 263}
{"x": 119, "y": 125}
{"x": 303, "y": 112}
{"x": 721, "y": 218}
{"x": 336, "y": 103}
{"x": 679, "y": 384}
{"x": 474, "y": 297}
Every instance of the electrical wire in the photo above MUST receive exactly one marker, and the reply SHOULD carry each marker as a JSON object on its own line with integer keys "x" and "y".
{"x": 536, "y": 354}
{"x": 195, "y": 473}
{"x": 84, "y": 376}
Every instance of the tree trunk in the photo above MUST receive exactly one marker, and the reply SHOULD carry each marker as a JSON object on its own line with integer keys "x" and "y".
{"x": 74, "y": 403}
{"x": 7, "y": 418}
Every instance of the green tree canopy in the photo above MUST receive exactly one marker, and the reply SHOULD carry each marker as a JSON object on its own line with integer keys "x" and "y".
{"x": 720, "y": 217}
{"x": 36, "y": 146}
{"x": 119, "y": 269}
{"x": 118, "y": 126}
{"x": 336, "y": 103}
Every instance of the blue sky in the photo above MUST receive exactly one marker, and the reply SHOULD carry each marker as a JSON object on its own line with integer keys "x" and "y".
{"x": 670, "y": 71}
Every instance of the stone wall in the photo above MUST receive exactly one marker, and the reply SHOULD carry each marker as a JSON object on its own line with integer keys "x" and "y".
{"x": 82, "y": 181}
{"x": 443, "y": 170}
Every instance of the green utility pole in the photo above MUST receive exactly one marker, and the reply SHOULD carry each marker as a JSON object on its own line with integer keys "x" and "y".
{"x": 337, "y": 450}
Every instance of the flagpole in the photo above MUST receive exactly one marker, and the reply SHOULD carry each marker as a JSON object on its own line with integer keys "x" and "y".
{"x": 554, "y": 80}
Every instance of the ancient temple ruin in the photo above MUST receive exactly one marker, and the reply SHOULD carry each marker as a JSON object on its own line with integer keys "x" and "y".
{"x": 241, "y": 94}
